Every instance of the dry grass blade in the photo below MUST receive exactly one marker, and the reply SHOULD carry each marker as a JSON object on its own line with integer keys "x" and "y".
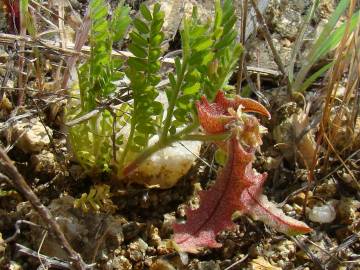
{"x": 80, "y": 39}
{"x": 300, "y": 39}
{"x": 339, "y": 128}
{"x": 23, "y": 12}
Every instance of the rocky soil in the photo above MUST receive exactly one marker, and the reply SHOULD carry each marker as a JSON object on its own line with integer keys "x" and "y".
{"x": 132, "y": 227}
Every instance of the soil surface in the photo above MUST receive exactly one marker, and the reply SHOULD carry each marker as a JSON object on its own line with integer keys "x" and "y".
{"x": 132, "y": 229}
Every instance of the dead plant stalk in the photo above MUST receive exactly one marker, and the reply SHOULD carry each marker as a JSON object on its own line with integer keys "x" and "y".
{"x": 345, "y": 62}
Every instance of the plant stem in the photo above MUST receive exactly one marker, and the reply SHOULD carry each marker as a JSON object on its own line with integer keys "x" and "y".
{"x": 127, "y": 147}
{"x": 205, "y": 138}
{"x": 188, "y": 129}
{"x": 147, "y": 152}
{"x": 160, "y": 144}
{"x": 95, "y": 145}
{"x": 174, "y": 97}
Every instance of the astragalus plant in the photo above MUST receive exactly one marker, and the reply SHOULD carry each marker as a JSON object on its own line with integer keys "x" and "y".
{"x": 120, "y": 137}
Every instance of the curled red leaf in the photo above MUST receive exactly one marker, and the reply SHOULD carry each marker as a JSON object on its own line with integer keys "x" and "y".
{"x": 264, "y": 210}
{"x": 215, "y": 116}
{"x": 238, "y": 186}
{"x": 247, "y": 104}
{"x": 229, "y": 194}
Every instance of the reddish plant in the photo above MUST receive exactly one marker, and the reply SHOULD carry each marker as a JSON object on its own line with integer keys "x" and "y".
{"x": 12, "y": 11}
{"x": 238, "y": 186}
{"x": 213, "y": 117}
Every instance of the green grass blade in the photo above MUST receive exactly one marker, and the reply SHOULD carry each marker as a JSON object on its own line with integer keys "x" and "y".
{"x": 333, "y": 40}
{"x": 314, "y": 76}
{"x": 299, "y": 39}
{"x": 327, "y": 41}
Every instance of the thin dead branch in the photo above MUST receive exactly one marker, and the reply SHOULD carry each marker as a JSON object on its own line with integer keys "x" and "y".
{"x": 237, "y": 262}
{"x": 80, "y": 39}
{"x": 17, "y": 226}
{"x": 308, "y": 252}
{"x": 268, "y": 38}
{"x": 49, "y": 262}
{"x": 244, "y": 8}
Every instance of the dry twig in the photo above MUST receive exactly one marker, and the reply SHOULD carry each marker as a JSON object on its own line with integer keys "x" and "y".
{"x": 52, "y": 263}
{"x": 268, "y": 38}
{"x": 308, "y": 252}
{"x": 81, "y": 38}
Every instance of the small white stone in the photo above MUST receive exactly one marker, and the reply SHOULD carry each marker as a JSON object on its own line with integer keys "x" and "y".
{"x": 31, "y": 136}
{"x": 165, "y": 167}
{"x": 323, "y": 214}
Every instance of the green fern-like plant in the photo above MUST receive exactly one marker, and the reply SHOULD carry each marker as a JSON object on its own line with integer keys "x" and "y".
{"x": 209, "y": 55}
{"x": 210, "y": 52}
{"x": 91, "y": 140}
{"x": 143, "y": 72}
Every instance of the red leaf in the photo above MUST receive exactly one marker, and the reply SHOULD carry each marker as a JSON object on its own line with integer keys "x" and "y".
{"x": 213, "y": 117}
{"x": 238, "y": 186}
{"x": 266, "y": 211}
{"x": 248, "y": 105}
{"x": 229, "y": 194}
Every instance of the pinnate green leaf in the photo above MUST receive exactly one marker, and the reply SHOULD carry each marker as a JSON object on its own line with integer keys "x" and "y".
{"x": 120, "y": 22}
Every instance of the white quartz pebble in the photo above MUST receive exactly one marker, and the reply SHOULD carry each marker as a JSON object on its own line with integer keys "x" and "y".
{"x": 323, "y": 214}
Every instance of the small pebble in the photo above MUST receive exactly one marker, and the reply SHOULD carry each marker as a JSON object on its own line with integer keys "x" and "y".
{"x": 322, "y": 214}
{"x": 31, "y": 136}
{"x": 161, "y": 265}
{"x": 120, "y": 262}
{"x": 210, "y": 265}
